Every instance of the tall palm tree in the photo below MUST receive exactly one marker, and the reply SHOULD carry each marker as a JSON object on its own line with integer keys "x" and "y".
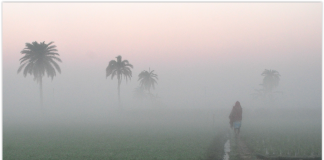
{"x": 38, "y": 59}
{"x": 147, "y": 80}
{"x": 119, "y": 68}
{"x": 270, "y": 80}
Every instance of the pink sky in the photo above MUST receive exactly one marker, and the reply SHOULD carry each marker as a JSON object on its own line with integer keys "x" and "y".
{"x": 162, "y": 32}
{"x": 224, "y": 46}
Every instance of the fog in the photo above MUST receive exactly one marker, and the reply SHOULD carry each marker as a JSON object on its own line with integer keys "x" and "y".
{"x": 85, "y": 92}
{"x": 196, "y": 78}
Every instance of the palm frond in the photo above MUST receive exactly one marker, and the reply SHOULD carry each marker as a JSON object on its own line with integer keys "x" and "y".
{"x": 28, "y": 69}
{"x": 57, "y": 67}
{"x": 21, "y": 67}
{"x": 52, "y": 53}
{"x": 271, "y": 79}
{"x": 114, "y": 72}
{"x": 119, "y": 68}
{"x": 147, "y": 79}
{"x": 38, "y": 60}
{"x": 55, "y": 58}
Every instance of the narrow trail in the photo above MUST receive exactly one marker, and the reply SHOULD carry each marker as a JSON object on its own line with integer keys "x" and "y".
{"x": 239, "y": 149}
{"x": 244, "y": 152}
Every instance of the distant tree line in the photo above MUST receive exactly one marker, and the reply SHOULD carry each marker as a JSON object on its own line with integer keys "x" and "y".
{"x": 41, "y": 58}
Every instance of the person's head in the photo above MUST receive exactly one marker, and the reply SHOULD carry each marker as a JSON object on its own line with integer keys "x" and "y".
{"x": 237, "y": 103}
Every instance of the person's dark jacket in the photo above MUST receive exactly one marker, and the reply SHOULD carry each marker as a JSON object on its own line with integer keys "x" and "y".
{"x": 236, "y": 114}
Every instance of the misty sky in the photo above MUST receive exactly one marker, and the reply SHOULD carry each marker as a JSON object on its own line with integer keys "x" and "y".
{"x": 205, "y": 54}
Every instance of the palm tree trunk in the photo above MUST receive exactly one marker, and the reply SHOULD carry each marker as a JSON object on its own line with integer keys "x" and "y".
{"x": 41, "y": 92}
{"x": 119, "y": 103}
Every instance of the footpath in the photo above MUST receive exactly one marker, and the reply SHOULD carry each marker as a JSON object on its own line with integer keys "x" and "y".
{"x": 239, "y": 150}
{"x": 225, "y": 147}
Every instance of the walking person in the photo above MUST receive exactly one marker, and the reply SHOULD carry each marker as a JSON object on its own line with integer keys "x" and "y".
{"x": 236, "y": 118}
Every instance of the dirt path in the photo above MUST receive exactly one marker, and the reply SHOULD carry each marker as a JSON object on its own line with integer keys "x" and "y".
{"x": 239, "y": 148}
{"x": 244, "y": 152}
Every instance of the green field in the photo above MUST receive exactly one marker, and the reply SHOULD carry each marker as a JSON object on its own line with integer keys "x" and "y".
{"x": 174, "y": 135}
{"x": 168, "y": 139}
{"x": 106, "y": 143}
{"x": 284, "y": 136}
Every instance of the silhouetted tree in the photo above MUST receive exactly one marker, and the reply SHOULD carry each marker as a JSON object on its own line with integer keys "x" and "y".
{"x": 147, "y": 80}
{"x": 270, "y": 80}
{"x": 119, "y": 68}
{"x": 38, "y": 59}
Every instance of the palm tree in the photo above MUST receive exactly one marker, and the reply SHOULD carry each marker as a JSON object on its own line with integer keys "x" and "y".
{"x": 38, "y": 59}
{"x": 147, "y": 80}
{"x": 119, "y": 68}
{"x": 270, "y": 80}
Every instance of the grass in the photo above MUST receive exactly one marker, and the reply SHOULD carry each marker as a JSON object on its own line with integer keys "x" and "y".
{"x": 157, "y": 135}
{"x": 106, "y": 142}
{"x": 281, "y": 136}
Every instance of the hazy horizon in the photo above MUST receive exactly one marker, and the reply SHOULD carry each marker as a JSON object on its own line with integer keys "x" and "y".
{"x": 206, "y": 55}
